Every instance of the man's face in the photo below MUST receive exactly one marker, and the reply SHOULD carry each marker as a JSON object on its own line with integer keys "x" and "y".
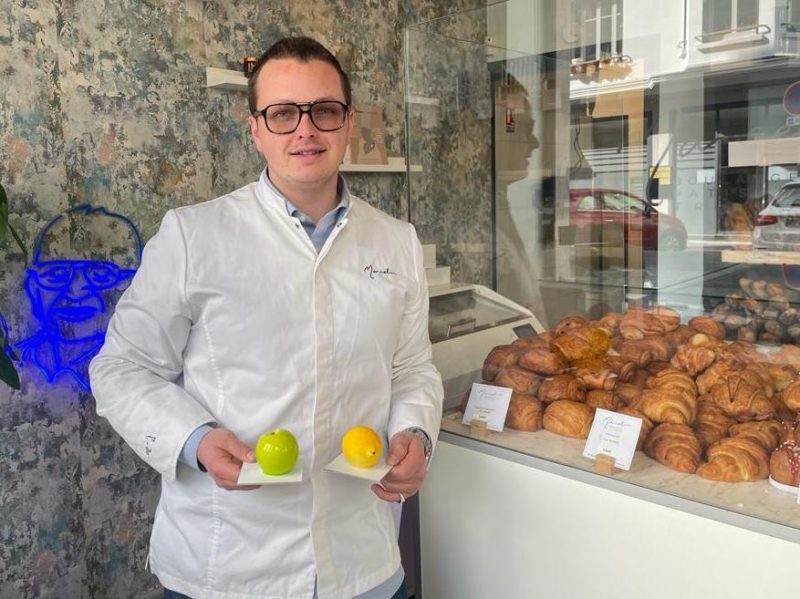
{"x": 306, "y": 160}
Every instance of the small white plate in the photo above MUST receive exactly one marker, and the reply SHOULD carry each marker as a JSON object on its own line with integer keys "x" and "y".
{"x": 251, "y": 474}
{"x": 374, "y": 474}
{"x": 782, "y": 487}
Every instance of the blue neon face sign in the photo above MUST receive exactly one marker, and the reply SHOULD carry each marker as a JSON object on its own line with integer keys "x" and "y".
{"x": 70, "y": 297}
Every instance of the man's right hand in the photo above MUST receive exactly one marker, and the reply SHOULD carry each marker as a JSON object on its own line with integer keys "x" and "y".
{"x": 221, "y": 453}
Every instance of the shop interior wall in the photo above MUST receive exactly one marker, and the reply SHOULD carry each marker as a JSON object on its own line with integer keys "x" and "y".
{"x": 104, "y": 102}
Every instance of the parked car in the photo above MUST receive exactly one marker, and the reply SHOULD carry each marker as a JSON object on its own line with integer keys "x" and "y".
{"x": 594, "y": 207}
{"x": 778, "y": 225}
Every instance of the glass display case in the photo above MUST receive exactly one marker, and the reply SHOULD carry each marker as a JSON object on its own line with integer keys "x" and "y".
{"x": 607, "y": 166}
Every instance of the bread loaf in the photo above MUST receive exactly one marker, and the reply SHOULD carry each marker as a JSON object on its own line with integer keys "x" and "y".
{"x": 675, "y": 446}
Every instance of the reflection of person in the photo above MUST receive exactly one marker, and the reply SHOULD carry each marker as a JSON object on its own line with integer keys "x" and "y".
{"x": 519, "y": 243}
{"x": 70, "y": 284}
{"x": 288, "y": 303}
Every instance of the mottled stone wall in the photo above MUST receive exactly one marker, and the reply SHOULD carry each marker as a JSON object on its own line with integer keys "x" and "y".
{"x": 104, "y": 101}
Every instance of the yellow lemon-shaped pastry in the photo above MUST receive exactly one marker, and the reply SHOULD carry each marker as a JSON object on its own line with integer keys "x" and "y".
{"x": 361, "y": 447}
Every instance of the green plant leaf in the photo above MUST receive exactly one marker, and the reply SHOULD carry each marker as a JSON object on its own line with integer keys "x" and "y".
{"x": 3, "y": 213}
{"x": 8, "y": 374}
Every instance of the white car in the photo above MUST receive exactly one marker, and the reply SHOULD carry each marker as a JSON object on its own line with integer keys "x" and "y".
{"x": 778, "y": 226}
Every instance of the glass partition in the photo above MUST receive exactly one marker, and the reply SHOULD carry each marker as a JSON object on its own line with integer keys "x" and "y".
{"x": 631, "y": 162}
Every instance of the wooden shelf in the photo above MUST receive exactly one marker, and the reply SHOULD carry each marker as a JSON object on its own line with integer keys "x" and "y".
{"x": 760, "y": 257}
{"x": 225, "y": 79}
{"x": 396, "y": 165}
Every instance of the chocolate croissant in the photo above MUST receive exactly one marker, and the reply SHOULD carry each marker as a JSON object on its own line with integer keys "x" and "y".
{"x": 543, "y": 360}
{"x": 524, "y": 413}
{"x": 600, "y": 398}
{"x": 636, "y": 323}
{"x": 518, "y": 379}
{"x": 708, "y": 326}
{"x": 735, "y": 459}
{"x": 561, "y": 386}
{"x": 497, "y": 359}
{"x": 568, "y": 418}
{"x": 596, "y": 379}
{"x": 567, "y": 324}
{"x": 675, "y": 446}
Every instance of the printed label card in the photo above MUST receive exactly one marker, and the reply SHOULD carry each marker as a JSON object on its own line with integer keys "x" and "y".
{"x": 488, "y": 403}
{"x": 614, "y": 435}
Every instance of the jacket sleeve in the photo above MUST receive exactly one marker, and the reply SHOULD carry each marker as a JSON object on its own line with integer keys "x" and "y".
{"x": 417, "y": 393}
{"x": 134, "y": 376}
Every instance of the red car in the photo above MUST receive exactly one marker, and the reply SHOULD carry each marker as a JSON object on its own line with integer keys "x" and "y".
{"x": 595, "y": 207}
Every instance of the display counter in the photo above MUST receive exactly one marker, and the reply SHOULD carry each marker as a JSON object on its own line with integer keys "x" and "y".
{"x": 497, "y": 521}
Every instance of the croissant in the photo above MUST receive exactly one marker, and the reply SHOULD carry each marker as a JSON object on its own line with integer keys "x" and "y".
{"x": 784, "y": 464}
{"x": 600, "y": 398}
{"x": 568, "y": 418}
{"x": 498, "y": 358}
{"x": 524, "y": 413}
{"x": 668, "y": 405}
{"x": 636, "y": 323}
{"x": 561, "y": 386}
{"x": 671, "y": 378}
{"x": 715, "y": 373}
{"x": 757, "y": 374}
{"x": 669, "y": 318}
{"x": 657, "y": 366}
{"x": 767, "y": 433}
{"x": 518, "y": 379}
{"x": 692, "y": 358}
{"x": 659, "y": 347}
{"x": 675, "y": 446}
{"x": 742, "y": 400}
{"x": 708, "y": 326}
{"x": 583, "y": 342}
{"x": 647, "y": 424}
{"x": 543, "y": 360}
{"x": 791, "y": 396}
{"x": 741, "y": 351}
{"x": 570, "y": 322}
{"x": 712, "y": 423}
{"x": 596, "y": 379}
{"x": 735, "y": 459}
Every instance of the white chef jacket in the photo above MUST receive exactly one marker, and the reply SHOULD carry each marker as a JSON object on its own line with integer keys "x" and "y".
{"x": 234, "y": 318}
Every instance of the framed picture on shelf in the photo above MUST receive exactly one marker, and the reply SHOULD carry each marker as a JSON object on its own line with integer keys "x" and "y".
{"x": 367, "y": 145}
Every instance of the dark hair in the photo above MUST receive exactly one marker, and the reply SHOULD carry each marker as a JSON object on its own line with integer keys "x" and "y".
{"x": 304, "y": 49}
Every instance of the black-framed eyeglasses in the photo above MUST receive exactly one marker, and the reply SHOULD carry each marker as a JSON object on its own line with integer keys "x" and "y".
{"x": 325, "y": 115}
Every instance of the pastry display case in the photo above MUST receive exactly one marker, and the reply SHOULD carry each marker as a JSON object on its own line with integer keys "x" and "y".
{"x": 578, "y": 165}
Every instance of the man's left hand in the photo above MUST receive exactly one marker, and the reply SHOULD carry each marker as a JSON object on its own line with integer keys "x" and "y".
{"x": 407, "y": 458}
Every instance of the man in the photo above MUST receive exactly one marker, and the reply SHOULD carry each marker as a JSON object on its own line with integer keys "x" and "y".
{"x": 287, "y": 303}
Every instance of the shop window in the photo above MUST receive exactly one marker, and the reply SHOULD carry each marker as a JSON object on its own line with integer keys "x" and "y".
{"x": 601, "y": 30}
{"x": 725, "y": 16}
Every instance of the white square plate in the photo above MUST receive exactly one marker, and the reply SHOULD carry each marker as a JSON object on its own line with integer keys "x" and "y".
{"x": 374, "y": 474}
{"x": 251, "y": 474}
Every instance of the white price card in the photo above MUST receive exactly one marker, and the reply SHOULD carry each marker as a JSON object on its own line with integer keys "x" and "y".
{"x": 614, "y": 435}
{"x": 488, "y": 403}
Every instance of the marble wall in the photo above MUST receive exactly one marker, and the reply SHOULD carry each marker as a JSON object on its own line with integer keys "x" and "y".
{"x": 104, "y": 102}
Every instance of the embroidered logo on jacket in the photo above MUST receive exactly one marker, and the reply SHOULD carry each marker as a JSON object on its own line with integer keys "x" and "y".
{"x": 377, "y": 271}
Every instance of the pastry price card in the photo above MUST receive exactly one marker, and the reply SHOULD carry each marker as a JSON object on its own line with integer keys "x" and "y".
{"x": 488, "y": 403}
{"x": 614, "y": 435}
